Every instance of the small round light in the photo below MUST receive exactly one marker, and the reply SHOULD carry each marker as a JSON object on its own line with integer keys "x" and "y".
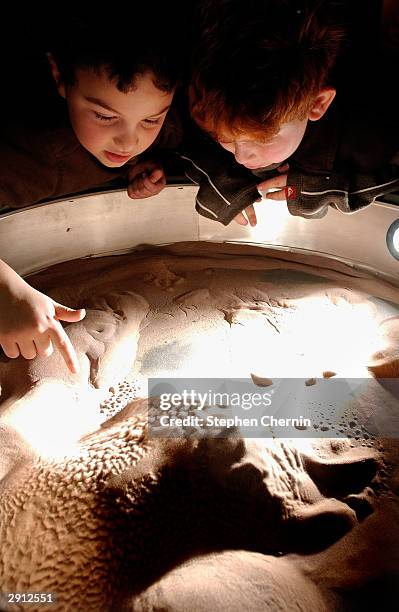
{"x": 393, "y": 239}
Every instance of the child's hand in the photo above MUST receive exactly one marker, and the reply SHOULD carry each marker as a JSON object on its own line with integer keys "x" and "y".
{"x": 29, "y": 323}
{"x": 248, "y": 214}
{"x": 278, "y": 184}
{"x": 146, "y": 179}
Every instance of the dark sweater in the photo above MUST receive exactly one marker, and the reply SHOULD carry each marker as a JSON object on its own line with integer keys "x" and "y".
{"x": 346, "y": 159}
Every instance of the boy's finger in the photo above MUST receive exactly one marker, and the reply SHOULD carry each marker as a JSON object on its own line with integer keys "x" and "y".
{"x": 150, "y": 186}
{"x": 11, "y": 349}
{"x": 284, "y": 168}
{"x": 251, "y": 215}
{"x": 140, "y": 194}
{"x": 240, "y": 219}
{"x": 144, "y": 187}
{"x": 27, "y": 349}
{"x": 44, "y": 346}
{"x": 60, "y": 340}
{"x": 135, "y": 186}
{"x": 133, "y": 191}
{"x": 63, "y": 313}
{"x": 156, "y": 175}
{"x": 276, "y": 181}
{"x": 276, "y": 195}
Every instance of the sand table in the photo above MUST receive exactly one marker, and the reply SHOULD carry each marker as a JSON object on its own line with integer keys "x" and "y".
{"x": 98, "y": 511}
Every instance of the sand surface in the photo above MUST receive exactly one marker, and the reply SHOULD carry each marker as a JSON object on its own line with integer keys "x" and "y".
{"x": 97, "y": 510}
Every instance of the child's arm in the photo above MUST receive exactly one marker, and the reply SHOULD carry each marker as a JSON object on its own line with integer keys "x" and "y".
{"x": 358, "y": 161}
{"x": 226, "y": 189}
{"x": 309, "y": 196}
{"x": 348, "y": 191}
{"x": 146, "y": 179}
{"x": 29, "y": 321}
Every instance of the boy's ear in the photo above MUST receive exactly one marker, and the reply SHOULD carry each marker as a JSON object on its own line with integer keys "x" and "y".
{"x": 56, "y": 75}
{"x": 321, "y": 103}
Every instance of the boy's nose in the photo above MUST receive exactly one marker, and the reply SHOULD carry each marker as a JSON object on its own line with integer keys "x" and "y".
{"x": 244, "y": 154}
{"x": 126, "y": 141}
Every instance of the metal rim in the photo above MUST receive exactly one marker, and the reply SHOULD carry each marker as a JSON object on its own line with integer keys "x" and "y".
{"x": 390, "y": 235}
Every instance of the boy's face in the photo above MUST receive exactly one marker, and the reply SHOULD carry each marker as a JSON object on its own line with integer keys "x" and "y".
{"x": 112, "y": 125}
{"x": 254, "y": 154}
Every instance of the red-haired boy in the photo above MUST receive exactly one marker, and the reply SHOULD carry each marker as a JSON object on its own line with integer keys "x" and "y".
{"x": 265, "y": 78}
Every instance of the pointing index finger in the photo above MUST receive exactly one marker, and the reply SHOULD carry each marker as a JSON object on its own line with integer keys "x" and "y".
{"x": 61, "y": 340}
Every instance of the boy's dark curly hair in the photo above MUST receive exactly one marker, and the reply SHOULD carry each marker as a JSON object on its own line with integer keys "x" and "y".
{"x": 260, "y": 63}
{"x": 126, "y": 41}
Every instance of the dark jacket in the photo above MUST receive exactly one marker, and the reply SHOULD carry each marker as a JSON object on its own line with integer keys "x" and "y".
{"x": 346, "y": 160}
{"x": 37, "y": 165}
{"x": 48, "y": 163}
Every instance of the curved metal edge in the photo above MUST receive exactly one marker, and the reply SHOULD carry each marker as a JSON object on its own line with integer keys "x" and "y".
{"x": 111, "y": 223}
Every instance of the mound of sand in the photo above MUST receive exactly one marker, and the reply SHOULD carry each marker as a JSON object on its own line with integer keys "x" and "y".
{"x": 97, "y": 510}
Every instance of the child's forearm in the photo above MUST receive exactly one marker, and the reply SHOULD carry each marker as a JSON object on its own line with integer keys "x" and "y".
{"x": 8, "y": 279}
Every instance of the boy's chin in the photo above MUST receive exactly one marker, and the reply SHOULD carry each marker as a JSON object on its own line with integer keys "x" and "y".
{"x": 110, "y": 162}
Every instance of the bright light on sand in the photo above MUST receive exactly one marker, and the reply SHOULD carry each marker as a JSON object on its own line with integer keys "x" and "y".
{"x": 52, "y": 417}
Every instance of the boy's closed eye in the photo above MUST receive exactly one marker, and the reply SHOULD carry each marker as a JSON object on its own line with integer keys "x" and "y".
{"x": 156, "y": 119}
{"x": 152, "y": 122}
{"x": 103, "y": 117}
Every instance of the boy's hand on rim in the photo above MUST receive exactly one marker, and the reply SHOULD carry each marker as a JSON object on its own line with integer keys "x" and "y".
{"x": 146, "y": 179}
{"x": 279, "y": 186}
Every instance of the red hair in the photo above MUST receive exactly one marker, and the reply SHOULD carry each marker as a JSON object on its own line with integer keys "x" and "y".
{"x": 258, "y": 64}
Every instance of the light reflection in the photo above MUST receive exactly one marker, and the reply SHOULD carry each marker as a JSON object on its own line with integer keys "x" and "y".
{"x": 52, "y": 417}
{"x": 317, "y": 333}
{"x": 314, "y": 335}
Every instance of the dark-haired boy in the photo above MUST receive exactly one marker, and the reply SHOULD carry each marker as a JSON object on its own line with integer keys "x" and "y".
{"x": 116, "y": 76}
{"x": 294, "y": 91}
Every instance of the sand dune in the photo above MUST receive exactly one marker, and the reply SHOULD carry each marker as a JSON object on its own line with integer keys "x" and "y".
{"x": 97, "y": 510}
